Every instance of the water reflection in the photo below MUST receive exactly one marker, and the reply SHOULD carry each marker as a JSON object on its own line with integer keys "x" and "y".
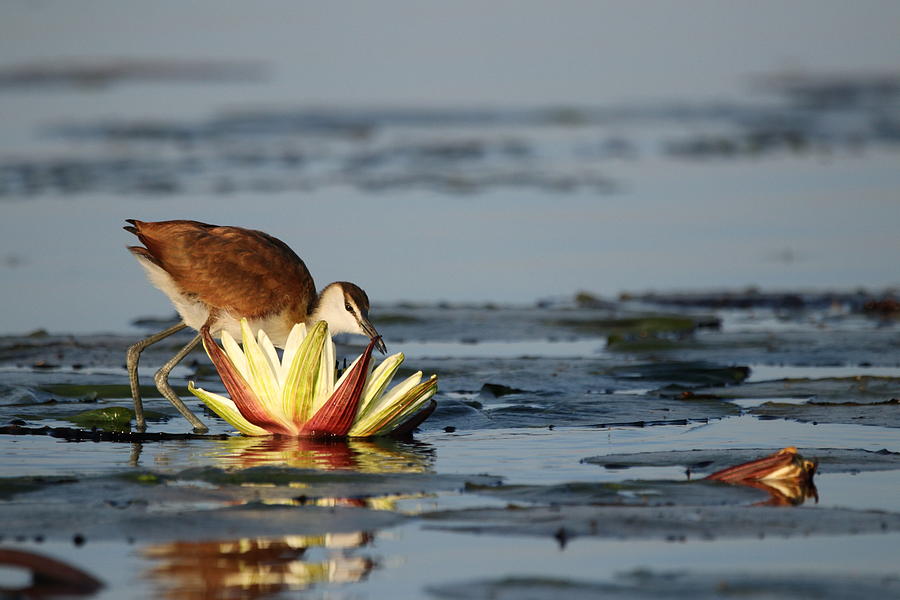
{"x": 785, "y": 492}
{"x": 256, "y": 567}
{"x": 47, "y": 577}
{"x": 365, "y": 456}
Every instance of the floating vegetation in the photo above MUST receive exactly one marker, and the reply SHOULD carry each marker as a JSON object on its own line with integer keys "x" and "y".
{"x": 303, "y": 512}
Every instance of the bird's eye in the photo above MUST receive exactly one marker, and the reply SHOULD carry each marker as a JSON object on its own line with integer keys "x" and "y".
{"x": 348, "y": 307}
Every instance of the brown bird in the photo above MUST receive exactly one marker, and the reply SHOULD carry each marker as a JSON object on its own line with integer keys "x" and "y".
{"x": 215, "y": 276}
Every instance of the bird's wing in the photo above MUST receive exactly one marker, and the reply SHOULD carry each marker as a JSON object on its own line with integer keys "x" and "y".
{"x": 246, "y": 272}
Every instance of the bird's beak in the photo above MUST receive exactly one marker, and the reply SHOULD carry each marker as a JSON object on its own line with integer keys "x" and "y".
{"x": 372, "y": 333}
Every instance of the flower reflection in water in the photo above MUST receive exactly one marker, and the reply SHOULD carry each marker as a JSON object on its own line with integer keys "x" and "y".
{"x": 785, "y": 492}
{"x": 380, "y": 455}
{"x": 256, "y": 568}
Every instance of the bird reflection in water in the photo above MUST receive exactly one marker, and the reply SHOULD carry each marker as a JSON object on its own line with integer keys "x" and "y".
{"x": 379, "y": 455}
{"x": 256, "y": 567}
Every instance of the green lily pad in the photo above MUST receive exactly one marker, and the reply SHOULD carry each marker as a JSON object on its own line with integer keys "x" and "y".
{"x": 78, "y": 390}
{"x": 110, "y": 418}
{"x": 113, "y": 418}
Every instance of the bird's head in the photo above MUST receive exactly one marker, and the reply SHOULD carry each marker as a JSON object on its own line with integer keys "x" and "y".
{"x": 345, "y": 307}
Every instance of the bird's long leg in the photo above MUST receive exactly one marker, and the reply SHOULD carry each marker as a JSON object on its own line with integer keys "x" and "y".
{"x": 162, "y": 384}
{"x": 131, "y": 358}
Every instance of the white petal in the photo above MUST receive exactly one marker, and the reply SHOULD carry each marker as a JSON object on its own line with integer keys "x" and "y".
{"x": 226, "y": 409}
{"x": 294, "y": 339}
{"x": 325, "y": 381}
{"x": 268, "y": 349}
{"x": 234, "y": 352}
{"x": 375, "y": 412}
{"x": 379, "y": 380}
{"x": 262, "y": 379}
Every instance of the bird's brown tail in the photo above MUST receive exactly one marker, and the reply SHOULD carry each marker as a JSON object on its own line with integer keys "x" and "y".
{"x": 133, "y": 228}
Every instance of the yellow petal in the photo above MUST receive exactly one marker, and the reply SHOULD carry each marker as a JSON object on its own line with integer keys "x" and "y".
{"x": 268, "y": 349}
{"x": 294, "y": 339}
{"x": 325, "y": 381}
{"x": 303, "y": 373}
{"x": 378, "y": 381}
{"x": 236, "y": 355}
{"x": 381, "y": 410}
{"x": 413, "y": 401}
{"x": 226, "y": 409}
{"x": 262, "y": 379}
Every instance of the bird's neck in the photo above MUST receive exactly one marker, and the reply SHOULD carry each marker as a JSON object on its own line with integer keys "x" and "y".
{"x": 329, "y": 307}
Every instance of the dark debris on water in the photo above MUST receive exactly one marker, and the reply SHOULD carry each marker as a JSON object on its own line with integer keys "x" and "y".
{"x": 98, "y": 435}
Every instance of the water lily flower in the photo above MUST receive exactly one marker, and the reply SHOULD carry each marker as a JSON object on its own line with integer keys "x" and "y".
{"x": 784, "y": 464}
{"x": 785, "y": 475}
{"x": 297, "y": 395}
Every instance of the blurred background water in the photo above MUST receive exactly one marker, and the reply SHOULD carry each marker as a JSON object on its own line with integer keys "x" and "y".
{"x": 450, "y": 151}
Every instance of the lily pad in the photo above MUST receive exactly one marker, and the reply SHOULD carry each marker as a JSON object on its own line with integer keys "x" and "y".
{"x": 883, "y": 414}
{"x": 80, "y": 390}
{"x": 681, "y": 374}
{"x": 639, "y": 325}
{"x": 632, "y": 493}
{"x": 253, "y": 502}
{"x": 496, "y": 390}
{"x": 604, "y": 410}
{"x": 328, "y": 483}
{"x": 648, "y": 585}
{"x": 861, "y": 400}
{"x": 12, "y": 486}
{"x": 53, "y": 521}
{"x": 110, "y": 418}
{"x": 863, "y": 389}
{"x": 673, "y": 523}
{"x": 831, "y": 460}
{"x": 773, "y": 346}
{"x": 623, "y": 331}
